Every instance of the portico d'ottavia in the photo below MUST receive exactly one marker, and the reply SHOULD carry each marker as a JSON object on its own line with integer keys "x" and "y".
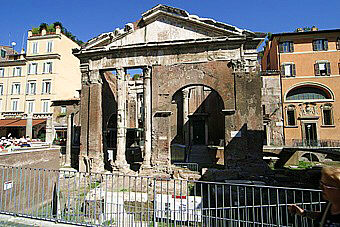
{"x": 200, "y": 88}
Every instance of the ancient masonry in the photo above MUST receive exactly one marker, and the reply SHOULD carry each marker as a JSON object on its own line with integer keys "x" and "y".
{"x": 176, "y": 50}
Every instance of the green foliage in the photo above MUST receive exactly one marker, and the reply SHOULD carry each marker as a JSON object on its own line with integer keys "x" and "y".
{"x": 136, "y": 77}
{"x": 35, "y": 31}
{"x": 305, "y": 165}
{"x": 51, "y": 28}
{"x": 43, "y": 26}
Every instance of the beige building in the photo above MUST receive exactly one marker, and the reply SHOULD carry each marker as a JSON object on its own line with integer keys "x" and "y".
{"x": 31, "y": 80}
{"x": 307, "y": 65}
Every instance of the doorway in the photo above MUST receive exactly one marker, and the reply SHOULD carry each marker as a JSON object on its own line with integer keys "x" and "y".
{"x": 198, "y": 128}
{"x": 310, "y": 134}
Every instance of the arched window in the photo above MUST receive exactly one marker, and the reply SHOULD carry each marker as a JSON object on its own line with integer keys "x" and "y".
{"x": 291, "y": 115}
{"x": 307, "y": 93}
{"x": 327, "y": 114}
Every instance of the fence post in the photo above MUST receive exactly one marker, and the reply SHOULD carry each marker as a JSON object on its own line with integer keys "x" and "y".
{"x": 154, "y": 203}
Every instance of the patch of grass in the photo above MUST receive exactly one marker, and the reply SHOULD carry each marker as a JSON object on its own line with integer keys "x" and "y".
{"x": 305, "y": 165}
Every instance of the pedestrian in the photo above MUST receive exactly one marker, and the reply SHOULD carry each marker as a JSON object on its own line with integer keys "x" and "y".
{"x": 330, "y": 185}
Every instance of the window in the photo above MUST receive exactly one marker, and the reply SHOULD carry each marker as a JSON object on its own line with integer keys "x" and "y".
{"x": 1, "y": 89}
{"x": 46, "y": 87}
{"x": 34, "y": 47}
{"x": 32, "y": 68}
{"x": 291, "y": 120}
{"x": 15, "y": 103}
{"x": 45, "y": 106}
{"x": 288, "y": 69}
{"x": 286, "y": 47}
{"x": 30, "y": 106}
{"x": 327, "y": 114}
{"x": 63, "y": 110}
{"x": 48, "y": 67}
{"x": 2, "y": 72}
{"x": 320, "y": 44}
{"x": 17, "y": 71}
{"x": 49, "y": 46}
{"x": 3, "y": 53}
{"x": 15, "y": 88}
{"x": 31, "y": 88}
{"x": 307, "y": 93}
{"x": 322, "y": 68}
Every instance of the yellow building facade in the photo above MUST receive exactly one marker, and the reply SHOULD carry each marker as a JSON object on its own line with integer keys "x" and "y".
{"x": 31, "y": 80}
{"x": 308, "y": 66}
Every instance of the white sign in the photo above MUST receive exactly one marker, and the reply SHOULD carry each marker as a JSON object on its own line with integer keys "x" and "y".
{"x": 180, "y": 208}
{"x": 235, "y": 134}
{"x": 8, "y": 185}
{"x": 279, "y": 123}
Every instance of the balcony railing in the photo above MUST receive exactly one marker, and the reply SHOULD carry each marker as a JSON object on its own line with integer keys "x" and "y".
{"x": 312, "y": 143}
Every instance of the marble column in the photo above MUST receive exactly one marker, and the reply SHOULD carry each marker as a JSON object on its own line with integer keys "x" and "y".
{"x": 29, "y": 125}
{"x": 69, "y": 141}
{"x": 186, "y": 116}
{"x": 147, "y": 118}
{"x": 121, "y": 162}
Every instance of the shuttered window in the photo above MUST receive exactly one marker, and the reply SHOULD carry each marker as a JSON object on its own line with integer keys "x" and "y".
{"x": 320, "y": 44}
{"x": 322, "y": 69}
{"x": 286, "y": 47}
{"x": 288, "y": 69}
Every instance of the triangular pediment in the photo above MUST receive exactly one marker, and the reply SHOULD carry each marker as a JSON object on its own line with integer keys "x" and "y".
{"x": 166, "y": 24}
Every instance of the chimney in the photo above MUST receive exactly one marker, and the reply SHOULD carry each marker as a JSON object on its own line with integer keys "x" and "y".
{"x": 314, "y": 29}
{"x": 57, "y": 29}
{"x": 29, "y": 33}
{"x": 43, "y": 31}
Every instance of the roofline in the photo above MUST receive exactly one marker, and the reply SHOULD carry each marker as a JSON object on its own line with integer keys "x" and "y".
{"x": 304, "y": 33}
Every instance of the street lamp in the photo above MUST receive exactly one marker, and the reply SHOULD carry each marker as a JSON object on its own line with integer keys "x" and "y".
{"x": 309, "y": 141}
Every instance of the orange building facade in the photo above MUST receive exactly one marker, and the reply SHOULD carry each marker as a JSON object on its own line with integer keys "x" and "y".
{"x": 308, "y": 67}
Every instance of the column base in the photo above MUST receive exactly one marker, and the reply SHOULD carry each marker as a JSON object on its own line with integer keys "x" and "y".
{"x": 122, "y": 168}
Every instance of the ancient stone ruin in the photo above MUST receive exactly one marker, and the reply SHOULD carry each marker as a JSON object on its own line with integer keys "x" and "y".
{"x": 199, "y": 88}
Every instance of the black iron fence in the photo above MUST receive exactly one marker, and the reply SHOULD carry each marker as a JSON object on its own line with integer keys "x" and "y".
{"x": 94, "y": 199}
{"x": 313, "y": 143}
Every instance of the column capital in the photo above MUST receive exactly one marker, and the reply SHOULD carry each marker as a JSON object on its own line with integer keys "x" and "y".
{"x": 185, "y": 93}
{"x": 121, "y": 73}
{"x": 147, "y": 72}
{"x": 95, "y": 77}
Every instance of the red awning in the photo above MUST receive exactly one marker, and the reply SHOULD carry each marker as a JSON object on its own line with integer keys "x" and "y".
{"x": 19, "y": 122}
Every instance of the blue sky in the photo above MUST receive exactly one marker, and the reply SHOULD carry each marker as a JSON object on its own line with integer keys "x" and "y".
{"x": 86, "y": 19}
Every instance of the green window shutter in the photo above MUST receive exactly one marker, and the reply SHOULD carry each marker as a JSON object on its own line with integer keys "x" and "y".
{"x": 316, "y": 69}
{"x": 325, "y": 43}
{"x": 291, "y": 46}
{"x": 338, "y": 44}
{"x": 282, "y": 70}
{"x": 328, "y": 68}
{"x": 314, "y": 45}
{"x": 281, "y": 47}
{"x": 293, "y": 70}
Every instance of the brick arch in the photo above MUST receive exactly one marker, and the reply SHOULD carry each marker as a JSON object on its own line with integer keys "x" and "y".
{"x": 167, "y": 80}
{"x": 194, "y": 85}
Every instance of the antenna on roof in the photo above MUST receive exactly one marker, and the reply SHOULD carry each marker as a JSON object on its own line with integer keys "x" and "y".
{"x": 23, "y": 41}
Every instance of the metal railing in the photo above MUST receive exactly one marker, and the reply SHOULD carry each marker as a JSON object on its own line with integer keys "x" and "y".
{"x": 118, "y": 200}
{"x": 313, "y": 143}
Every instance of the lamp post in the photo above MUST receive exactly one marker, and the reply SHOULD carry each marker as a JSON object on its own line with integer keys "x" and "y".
{"x": 309, "y": 141}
